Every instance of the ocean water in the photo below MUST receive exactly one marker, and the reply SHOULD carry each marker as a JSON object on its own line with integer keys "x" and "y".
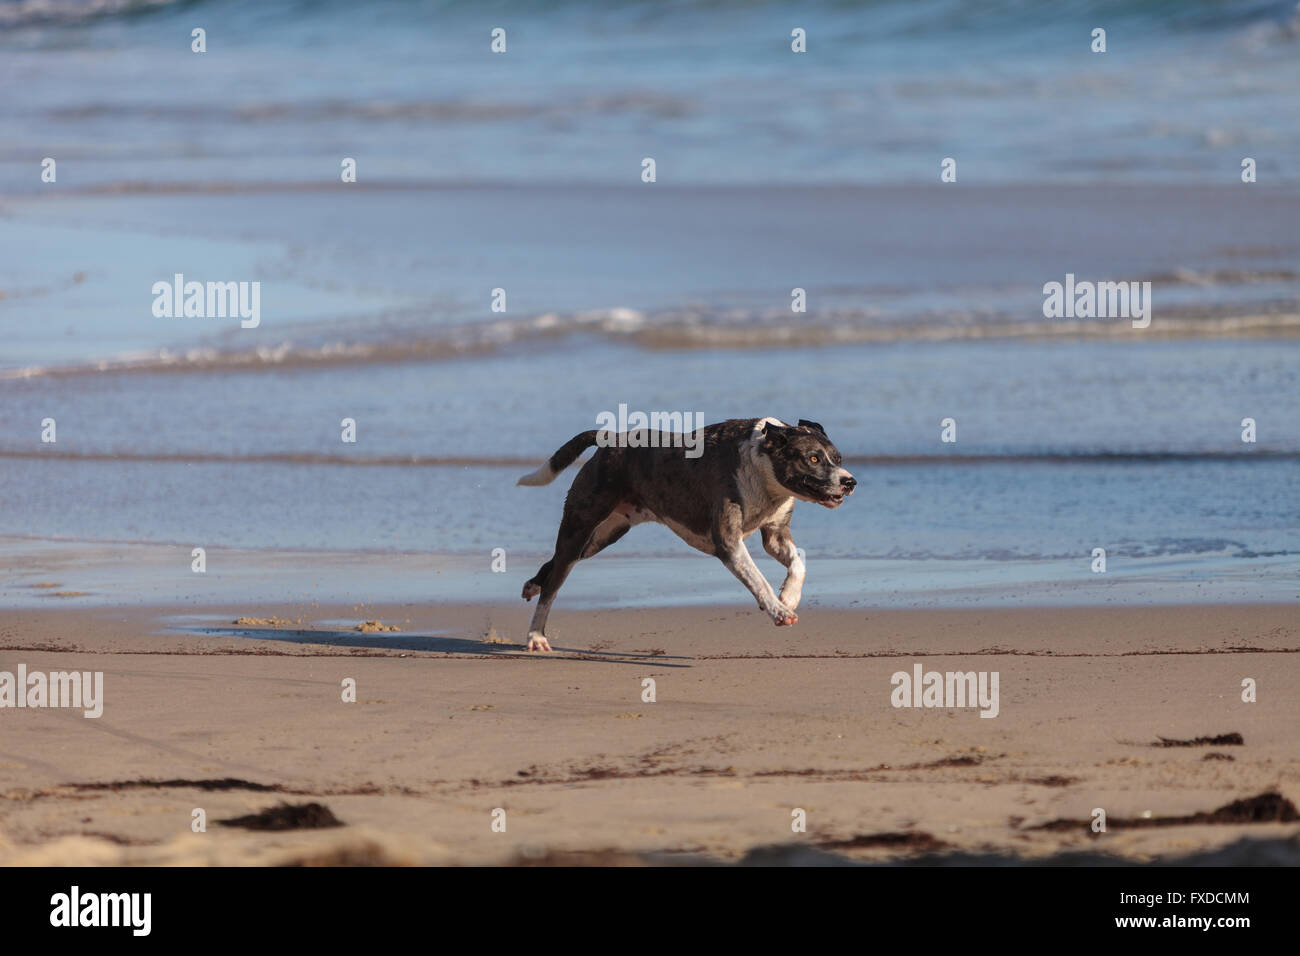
{"x": 775, "y": 171}
{"x": 585, "y": 90}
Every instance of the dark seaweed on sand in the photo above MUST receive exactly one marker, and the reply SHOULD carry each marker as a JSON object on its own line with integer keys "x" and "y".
{"x": 287, "y": 816}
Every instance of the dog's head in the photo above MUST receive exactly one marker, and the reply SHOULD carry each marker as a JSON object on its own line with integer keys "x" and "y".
{"x": 806, "y": 464}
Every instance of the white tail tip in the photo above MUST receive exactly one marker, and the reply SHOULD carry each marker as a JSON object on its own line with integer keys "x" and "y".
{"x": 542, "y": 476}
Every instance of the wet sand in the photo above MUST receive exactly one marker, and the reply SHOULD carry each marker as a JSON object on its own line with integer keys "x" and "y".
{"x": 453, "y": 721}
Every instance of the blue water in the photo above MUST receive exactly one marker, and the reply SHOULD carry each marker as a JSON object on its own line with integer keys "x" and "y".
{"x": 1134, "y": 448}
{"x": 775, "y": 170}
{"x": 586, "y": 90}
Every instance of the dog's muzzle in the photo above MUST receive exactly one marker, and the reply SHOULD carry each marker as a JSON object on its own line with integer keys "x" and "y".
{"x": 833, "y": 499}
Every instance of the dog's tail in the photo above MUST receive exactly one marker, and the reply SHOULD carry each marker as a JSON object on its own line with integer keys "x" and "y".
{"x": 561, "y": 460}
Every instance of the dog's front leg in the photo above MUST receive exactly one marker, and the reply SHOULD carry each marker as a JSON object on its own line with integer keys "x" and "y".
{"x": 779, "y": 544}
{"x": 729, "y": 546}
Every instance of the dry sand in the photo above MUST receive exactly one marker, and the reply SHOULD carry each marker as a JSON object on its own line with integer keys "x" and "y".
{"x": 453, "y": 721}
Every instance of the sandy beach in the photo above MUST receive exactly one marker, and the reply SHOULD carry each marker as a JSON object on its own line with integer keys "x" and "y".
{"x": 453, "y": 721}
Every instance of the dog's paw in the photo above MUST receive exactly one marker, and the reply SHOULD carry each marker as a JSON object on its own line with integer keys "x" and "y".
{"x": 537, "y": 641}
{"x": 531, "y": 591}
{"x": 784, "y": 617}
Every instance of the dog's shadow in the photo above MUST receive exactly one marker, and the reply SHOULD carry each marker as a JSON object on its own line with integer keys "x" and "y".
{"x": 428, "y": 643}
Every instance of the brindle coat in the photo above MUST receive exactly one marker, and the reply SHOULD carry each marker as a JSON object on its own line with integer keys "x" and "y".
{"x": 747, "y": 479}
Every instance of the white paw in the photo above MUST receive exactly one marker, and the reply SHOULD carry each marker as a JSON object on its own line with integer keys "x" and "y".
{"x": 537, "y": 641}
{"x": 784, "y": 617}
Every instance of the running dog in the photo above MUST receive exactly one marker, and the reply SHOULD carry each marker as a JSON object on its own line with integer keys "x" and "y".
{"x": 747, "y": 479}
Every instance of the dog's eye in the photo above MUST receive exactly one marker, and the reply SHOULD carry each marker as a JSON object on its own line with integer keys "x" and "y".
{"x": 813, "y": 459}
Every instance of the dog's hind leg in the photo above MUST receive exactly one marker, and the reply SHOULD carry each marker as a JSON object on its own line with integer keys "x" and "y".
{"x": 572, "y": 541}
{"x": 606, "y": 533}
{"x": 609, "y": 531}
{"x": 589, "y": 524}
{"x": 533, "y": 586}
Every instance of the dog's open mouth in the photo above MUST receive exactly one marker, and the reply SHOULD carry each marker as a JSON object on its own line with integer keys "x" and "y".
{"x": 818, "y": 494}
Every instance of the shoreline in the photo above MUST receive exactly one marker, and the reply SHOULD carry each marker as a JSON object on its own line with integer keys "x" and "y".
{"x": 58, "y": 574}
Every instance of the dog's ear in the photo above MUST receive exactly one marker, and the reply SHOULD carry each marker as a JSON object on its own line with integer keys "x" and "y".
{"x": 774, "y": 434}
{"x": 804, "y": 423}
